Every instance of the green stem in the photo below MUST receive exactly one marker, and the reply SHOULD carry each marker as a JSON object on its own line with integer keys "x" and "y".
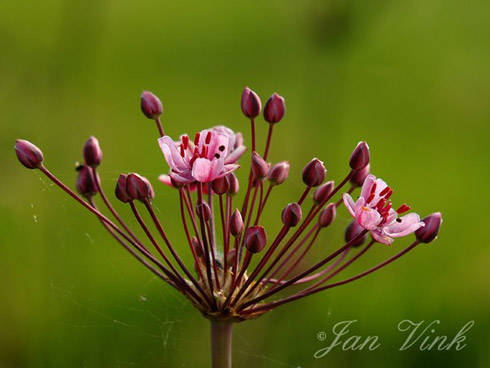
{"x": 221, "y": 343}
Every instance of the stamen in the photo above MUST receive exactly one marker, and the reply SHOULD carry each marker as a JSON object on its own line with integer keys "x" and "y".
{"x": 196, "y": 138}
{"x": 204, "y": 151}
{"x": 185, "y": 141}
{"x": 381, "y": 204}
{"x": 384, "y": 191}
{"x": 388, "y": 195}
{"x": 208, "y": 137}
{"x": 372, "y": 193}
{"x": 194, "y": 156}
{"x": 182, "y": 153}
{"x": 403, "y": 208}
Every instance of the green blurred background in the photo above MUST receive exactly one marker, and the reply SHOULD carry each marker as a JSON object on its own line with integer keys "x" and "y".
{"x": 411, "y": 78}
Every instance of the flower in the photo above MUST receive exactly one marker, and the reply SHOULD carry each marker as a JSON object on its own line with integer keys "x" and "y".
{"x": 374, "y": 213}
{"x": 212, "y": 155}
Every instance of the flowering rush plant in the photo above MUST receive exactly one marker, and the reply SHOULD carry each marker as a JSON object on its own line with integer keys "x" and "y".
{"x": 239, "y": 271}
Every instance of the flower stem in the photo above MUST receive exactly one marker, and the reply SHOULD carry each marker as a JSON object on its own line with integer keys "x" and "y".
{"x": 221, "y": 343}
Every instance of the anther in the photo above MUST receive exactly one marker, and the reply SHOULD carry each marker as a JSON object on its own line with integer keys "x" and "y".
{"x": 185, "y": 141}
{"x": 384, "y": 191}
{"x": 403, "y": 208}
{"x": 208, "y": 138}
{"x": 196, "y": 138}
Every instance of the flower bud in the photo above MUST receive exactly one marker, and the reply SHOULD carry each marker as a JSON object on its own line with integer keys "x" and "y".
{"x": 323, "y": 191}
{"x": 86, "y": 185}
{"x": 260, "y": 168}
{"x": 327, "y": 216}
{"x": 151, "y": 105}
{"x": 121, "y": 192}
{"x": 92, "y": 152}
{"x": 278, "y": 173}
{"x": 255, "y": 239}
{"x": 352, "y": 231}
{"x": 221, "y": 185}
{"x": 28, "y": 154}
{"x": 234, "y": 184}
{"x": 314, "y": 173}
{"x": 197, "y": 247}
{"x": 236, "y": 223}
{"x": 203, "y": 210}
{"x": 429, "y": 232}
{"x": 251, "y": 104}
{"x": 138, "y": 187}
{"x": 230, "y": 257}
{"x": 291, "y": 214}
{"x": 360, "y": 156}
{"x": 274, "y": 109}
{"x": 359, "y": 176}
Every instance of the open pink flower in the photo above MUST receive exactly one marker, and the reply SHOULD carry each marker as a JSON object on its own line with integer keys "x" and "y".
{"x": 213, "y": 154}
{"x": 374, "y": 213}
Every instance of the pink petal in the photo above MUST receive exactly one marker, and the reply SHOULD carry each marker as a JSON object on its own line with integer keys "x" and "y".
{"x": 217, "y": 141}
{"x": 349, "y": 204}
{"x": 182, "y": 177}
{"x": 368, "y": 184}
{"x": 206, "y": 171}
{"x": 228, "y": 169}
{"x": 165, "y": 179}
{"x": 172, "y": 155}
{"x": 235, "y": 155}
{"x": 368, "y": 218}
{"x": 407, "y": 225}
{"x": 381, "y": 237}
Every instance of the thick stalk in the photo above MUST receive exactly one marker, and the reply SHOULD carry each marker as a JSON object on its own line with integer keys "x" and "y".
{"x": 221, "y": 343}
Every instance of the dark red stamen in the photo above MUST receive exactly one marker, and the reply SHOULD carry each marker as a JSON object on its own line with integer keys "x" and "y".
{"x": 204, "y": 151}
{"x": 403, "y": 208}
{"x": 208, "y": 137}
{"x": 196, "y": 138}
{"x": 195, "y": 155}
{"x": 380, "y": 204}
{"x": 185, "y": 141}
{"x": 388, "y": 195}
{"x": 384, "y": 191}
{"x": 372, "y": 193}
{"x": 182, "y": 153}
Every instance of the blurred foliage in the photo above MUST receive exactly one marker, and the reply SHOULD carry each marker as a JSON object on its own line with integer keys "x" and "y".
{"x": 411, "y": 78}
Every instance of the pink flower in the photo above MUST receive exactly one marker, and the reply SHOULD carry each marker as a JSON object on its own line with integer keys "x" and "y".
{"x": 213, "y": 154}
{"x": 374, "y": 213}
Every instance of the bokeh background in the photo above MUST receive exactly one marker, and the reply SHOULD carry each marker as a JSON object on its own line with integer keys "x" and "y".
{"x": 411, "y": 78}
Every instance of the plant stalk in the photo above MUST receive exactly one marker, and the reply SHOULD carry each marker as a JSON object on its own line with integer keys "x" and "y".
{"x": 221, "y": 343}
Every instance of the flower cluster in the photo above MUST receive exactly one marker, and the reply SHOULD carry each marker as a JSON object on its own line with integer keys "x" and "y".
{"x": 238, "y": 268}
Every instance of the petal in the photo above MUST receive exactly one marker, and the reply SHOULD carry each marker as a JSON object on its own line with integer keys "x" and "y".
{"x": 404, "y": 225}
{"x": 381, "y": 237}
{"x": 228, "y": 169}
{"x": 206, "y": 171}
{"x": 349, "y": 204}
{"x": 165, "y": 179}
{"x": 217, "y": 141}
{"x": 235, "y": 155}
{"x": 368, "y": 184}
{"x": 368, "y": 218}
{"x": 182, "y": 177}
{"x": 172, "y": 155}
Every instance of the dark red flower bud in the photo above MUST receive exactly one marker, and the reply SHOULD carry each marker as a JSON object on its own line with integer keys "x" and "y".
{"x": 230, "y": 257}
{"x": 352, "y": 231}
{"x": 260, "y": 168}
{"x": 221, "y": 185}
{"x": 203, "y": 210}
{"x": 92, "y": 152}
{"x": 28, "y": 154}
{"x": 86, "y": 185}
{"x": 121, "y": 192}
{"x": 359, "y": 176}
{"x": 197, "y": 247}
{"x": 251, "y": 104}
{"x": 274, "y": 109}
{"x": 278, "y": 173}
{"x": 138, "y": 187}
{"x": 234, "y": 184}
{"x": 291, "y": 214}
{"x": 314, "y": 173}
{"x": 360, "y": 156}
{"x": 323, "y": 191}
{"x": 429, "y": 232}
{"x": 255, "y": 239}
{"x": 236, "y": 223}
{"x": 151, "y": 105}
{"x": 327, "y": 216}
